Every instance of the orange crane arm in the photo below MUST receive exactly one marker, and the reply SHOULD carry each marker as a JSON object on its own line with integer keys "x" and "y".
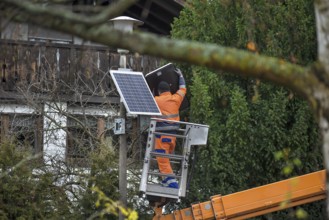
{"x": 256, "y": 201}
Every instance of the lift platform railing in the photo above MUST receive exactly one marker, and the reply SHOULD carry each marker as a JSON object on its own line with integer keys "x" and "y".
{"x": 190, "y": 134}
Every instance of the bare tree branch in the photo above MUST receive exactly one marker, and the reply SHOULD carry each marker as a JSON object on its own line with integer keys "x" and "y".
{"x": 64, "y": 14}
{"x": 241, "y": 62}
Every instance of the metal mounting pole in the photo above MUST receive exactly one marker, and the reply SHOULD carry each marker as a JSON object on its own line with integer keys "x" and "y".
{"x": 123, "y": 163}
{"x": 124, "y": 24}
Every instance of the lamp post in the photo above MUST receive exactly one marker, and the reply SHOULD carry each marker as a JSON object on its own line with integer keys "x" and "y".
{"x": 125, "y": 24}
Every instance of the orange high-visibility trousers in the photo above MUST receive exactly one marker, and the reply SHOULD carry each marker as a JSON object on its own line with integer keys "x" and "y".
{"x": 167, "y": 145}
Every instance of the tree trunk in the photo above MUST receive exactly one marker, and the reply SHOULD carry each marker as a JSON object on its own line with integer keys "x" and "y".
{"x": 322, "y": 26}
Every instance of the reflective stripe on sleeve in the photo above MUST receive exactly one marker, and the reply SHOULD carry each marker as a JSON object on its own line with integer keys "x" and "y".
{"x": 180, "y": 93}
{"x": 168, "y": 116}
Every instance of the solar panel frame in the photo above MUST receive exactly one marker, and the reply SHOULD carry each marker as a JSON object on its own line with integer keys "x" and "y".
{"x": 165, "y": 73}
{"x": 135, "y": 93}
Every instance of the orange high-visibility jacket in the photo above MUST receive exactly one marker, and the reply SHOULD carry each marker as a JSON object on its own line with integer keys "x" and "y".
{"x": 169, "y": 105}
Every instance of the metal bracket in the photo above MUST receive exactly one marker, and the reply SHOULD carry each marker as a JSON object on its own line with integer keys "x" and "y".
{"x": 120, "y": 126}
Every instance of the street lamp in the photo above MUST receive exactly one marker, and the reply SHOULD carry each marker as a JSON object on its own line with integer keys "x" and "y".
{"x": 125, "y": 24}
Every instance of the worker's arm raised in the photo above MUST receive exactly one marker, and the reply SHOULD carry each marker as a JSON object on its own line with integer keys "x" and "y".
{"x": 182, "y": 85}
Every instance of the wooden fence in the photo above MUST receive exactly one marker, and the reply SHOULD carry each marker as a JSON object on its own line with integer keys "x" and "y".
{"x": 63, "y": 68}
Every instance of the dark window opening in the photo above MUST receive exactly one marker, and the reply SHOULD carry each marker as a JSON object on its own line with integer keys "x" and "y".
{"x": 25, "y": 130}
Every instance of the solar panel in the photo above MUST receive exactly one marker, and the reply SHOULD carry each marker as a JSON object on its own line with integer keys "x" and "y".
{"x": 165, "y": 73}
{"x": 135, "y": 92}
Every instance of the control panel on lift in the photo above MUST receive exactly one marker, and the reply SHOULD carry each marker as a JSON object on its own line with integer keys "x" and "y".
{"x": 187, "y": 135}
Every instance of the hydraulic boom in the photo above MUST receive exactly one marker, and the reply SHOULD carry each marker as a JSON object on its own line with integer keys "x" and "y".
{"x": 256, "y": 201}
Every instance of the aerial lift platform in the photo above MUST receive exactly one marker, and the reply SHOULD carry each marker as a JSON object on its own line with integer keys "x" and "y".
{"x": 241, "y": 205}
{"x": 187, "y": 135}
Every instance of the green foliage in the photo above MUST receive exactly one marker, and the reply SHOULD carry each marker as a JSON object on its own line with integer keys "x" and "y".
{"x": 108, "y": 206}
{"x": 27, "y": 192}
{"x": 259, "y": 133}
{"x": 30, "y": 189}
{"x": 104, "y": 176}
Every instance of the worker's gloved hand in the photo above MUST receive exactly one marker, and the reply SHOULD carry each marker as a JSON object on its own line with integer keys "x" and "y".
{"x": 178, "y": 72}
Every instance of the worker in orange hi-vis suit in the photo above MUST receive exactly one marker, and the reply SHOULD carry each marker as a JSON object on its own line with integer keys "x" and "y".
{"x": 169, "y": 105}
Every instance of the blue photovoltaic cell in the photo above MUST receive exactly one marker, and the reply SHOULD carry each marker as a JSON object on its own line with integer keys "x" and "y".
{"x": 135, "y": 93}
